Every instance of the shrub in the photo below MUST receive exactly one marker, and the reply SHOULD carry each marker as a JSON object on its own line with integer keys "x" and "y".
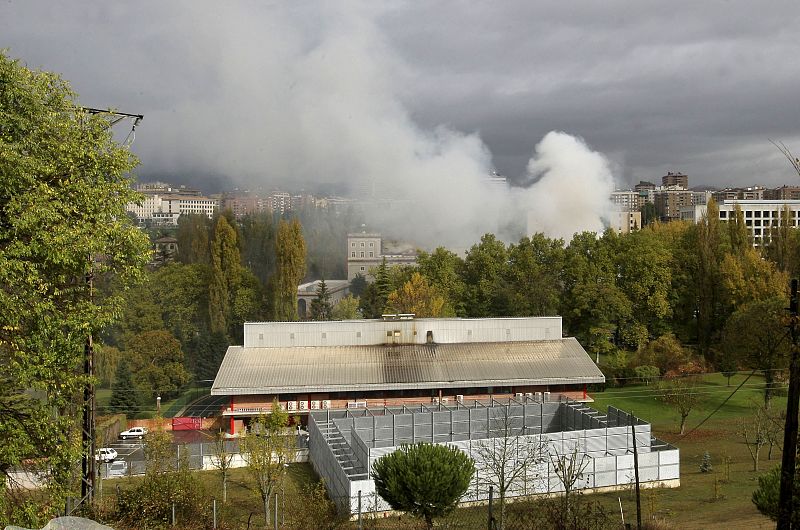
{"x": 647, "y": 373}
{"x": 423, "y": 479}
{"x": 705, "y": 464}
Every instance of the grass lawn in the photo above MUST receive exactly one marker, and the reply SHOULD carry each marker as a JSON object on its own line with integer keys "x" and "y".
{"x": 168, "y": 407}
{"x": 695, "y": 504}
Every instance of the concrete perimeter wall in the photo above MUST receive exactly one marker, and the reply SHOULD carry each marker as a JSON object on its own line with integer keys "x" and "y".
{"x": 603, "y": 445}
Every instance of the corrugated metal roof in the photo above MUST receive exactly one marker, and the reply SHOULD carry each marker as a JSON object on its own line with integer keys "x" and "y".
{"x": 408, "y": 366}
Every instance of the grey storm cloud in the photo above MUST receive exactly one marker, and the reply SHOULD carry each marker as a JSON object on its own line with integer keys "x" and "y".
{"x": 417, "y": 99}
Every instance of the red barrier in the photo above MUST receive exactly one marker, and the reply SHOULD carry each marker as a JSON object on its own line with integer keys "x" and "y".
{"x": 187, "y": 424}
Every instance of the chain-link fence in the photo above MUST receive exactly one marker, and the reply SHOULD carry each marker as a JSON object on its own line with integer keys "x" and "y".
{"x": 309, "y": 511}
{"x": 197, "y": 456}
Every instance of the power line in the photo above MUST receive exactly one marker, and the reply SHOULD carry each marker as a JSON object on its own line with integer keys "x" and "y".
{"x": 718, "y": 407}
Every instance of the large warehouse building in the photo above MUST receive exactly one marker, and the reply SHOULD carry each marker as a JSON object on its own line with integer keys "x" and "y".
{"x": 399, "y": 361}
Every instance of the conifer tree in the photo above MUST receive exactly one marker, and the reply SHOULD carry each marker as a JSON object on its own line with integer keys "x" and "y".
{"x": 124, "y": 398}
{"x": 425, "y": 480}
{"x": 321, "y": 308}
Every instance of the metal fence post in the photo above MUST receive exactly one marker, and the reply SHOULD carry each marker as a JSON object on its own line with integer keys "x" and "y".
{"x": 215, "y": 513}
{"x": 276, "y": 511}
{"x": 360, "y": 527}
{"x": 173, "y": 514}
{"x": 490, "y": 522}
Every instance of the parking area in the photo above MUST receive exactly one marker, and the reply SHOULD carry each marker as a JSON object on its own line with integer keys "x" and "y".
{"x": 130, "y": 458}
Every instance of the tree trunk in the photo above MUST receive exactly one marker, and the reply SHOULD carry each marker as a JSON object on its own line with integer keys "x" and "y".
{"x": 266, "y": 511}
{"x": 769, "y": 380}
{"x": 429, "y": 521}
{"x": 224, "y": 488}
{"x": 683, "y": 422}
{"x": 502, "y": 509}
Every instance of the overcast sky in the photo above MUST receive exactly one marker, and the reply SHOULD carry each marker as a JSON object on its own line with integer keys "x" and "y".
{"x": 230, "y": 90}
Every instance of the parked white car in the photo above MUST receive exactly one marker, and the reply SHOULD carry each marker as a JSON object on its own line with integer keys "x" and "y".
{"x": 133, "y": 432}
{"x": 105, "y": 454}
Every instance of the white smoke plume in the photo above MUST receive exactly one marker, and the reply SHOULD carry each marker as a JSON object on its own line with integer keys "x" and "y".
{"x": 572, "y": 189}
{"x": 315, "y": 94}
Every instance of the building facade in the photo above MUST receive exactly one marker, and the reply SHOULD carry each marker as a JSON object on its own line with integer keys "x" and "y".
{"x": 309, "y": 366}
{"x": 164, "y": 204}
{"x": 625, "y": 221}
{"x": 366, "y": 251}
{"x": 760, "y": 216}
{"x": 676, "y": 179}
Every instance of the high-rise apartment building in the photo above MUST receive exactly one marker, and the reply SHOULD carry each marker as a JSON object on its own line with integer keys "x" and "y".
{"x": 675, "y": 179}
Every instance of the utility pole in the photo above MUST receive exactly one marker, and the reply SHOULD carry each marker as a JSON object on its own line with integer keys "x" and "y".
{"x": 88, "y": 442}
{"x": 88, "y": 431}
{"x": 636, "y": 473}
{"x": 788, "y": 461}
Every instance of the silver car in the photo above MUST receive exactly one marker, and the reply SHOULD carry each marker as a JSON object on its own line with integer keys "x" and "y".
{"x": 117, "y": 469}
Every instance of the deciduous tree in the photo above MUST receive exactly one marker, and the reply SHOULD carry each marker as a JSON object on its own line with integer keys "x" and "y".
{"x": 533, "y": 277}
{"x": 290, "y": 250}
{"x": 156, "y": 360}
{"x": 681, "y": 394}
{"x": 268, "y": 448}
{"x": 755, "y": 336}
{"x": 225, "y": 275}
{"x": 484, "y": 268}
{"x": 416, "y": 296}
{"x": 346, "y": 309}
{"x": 63, "y": 190}
{"x": 508, "y": 459}
{"x": 223, "y": 461}
{"x": 444, "y": 269}
{"x": 194, "y": 238}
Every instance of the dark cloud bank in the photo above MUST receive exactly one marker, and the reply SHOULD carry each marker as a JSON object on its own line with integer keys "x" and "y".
{"x": 422, "y": 100}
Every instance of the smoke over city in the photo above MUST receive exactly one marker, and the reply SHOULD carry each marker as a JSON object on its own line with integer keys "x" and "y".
{"x": 289, "y": 96}
{"x": 331, "y": 110}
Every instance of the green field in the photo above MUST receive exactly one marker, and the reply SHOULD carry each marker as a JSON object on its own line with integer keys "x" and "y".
{"x": 697, "y": 503}
{"x": 169, "y": 407}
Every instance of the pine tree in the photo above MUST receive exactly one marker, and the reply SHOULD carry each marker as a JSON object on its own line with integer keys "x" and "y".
{"x": 210, "y": 352}
{"x": 321, "y": 308}
{"x": 705, "y": 465}
{"x": 383, "y": 284}
{"x": 423, "y": 479}
{"x": 290, "y": 253}
{"x": 124, "y": 398}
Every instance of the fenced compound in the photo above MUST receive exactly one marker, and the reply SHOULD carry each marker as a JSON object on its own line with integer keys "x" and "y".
{"x": 345, "y": 443}
{"x": 197, "y": 456}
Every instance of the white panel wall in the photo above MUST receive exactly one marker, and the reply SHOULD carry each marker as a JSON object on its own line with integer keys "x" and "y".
{"x": 374, "y": 332}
